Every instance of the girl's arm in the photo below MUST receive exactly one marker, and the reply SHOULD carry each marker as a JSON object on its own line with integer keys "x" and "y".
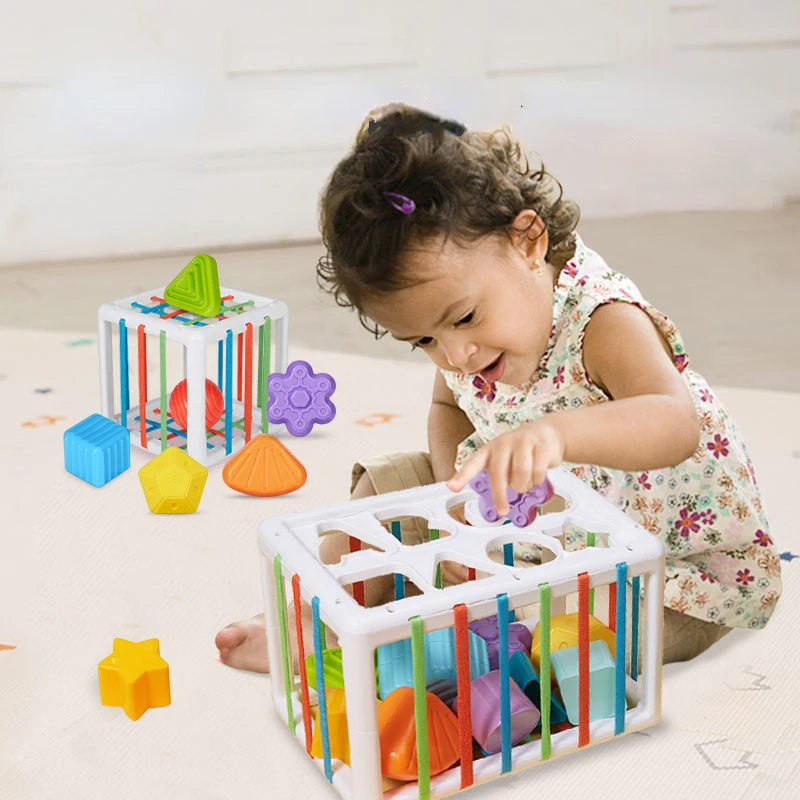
{"x": 448, "y": 426}
{"x": 650, "y": 423}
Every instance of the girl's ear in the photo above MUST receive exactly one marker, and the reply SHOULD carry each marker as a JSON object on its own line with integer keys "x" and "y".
{"x": 530, "y": 235}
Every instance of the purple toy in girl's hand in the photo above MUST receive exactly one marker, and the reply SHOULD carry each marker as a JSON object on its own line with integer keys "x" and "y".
{"x": 521, "y": 507}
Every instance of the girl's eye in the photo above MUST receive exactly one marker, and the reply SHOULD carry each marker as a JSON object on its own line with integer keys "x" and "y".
{"x": 466, "y": 320}
{"x": 423, "y": 342}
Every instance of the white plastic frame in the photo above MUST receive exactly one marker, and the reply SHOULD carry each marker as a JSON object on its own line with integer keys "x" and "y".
{"x": 360, "y": 630}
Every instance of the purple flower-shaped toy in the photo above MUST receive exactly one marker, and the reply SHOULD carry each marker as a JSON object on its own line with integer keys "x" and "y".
{"x": 521, "y": 507}
{"x": 519, "y": 638}
{"x": 299, "y": 398}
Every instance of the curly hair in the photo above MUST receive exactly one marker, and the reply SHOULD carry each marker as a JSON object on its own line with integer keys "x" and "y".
{"x": 465, "y": 185}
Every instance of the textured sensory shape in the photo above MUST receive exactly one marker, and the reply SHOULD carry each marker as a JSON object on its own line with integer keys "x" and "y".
{"x": 564, "y": 634}
{"x": 264, "y": 468}
{"x": 395, "y": 665}
{"x": 173, "y": 482}
{"x": 338, "y": 738}
{"x": 332, "y": 671}
{"x": 601, "y": 680}
{"x": 134, "y": 677}
{"x": 97, "y": 449}
{"x": 196, "y": 288}
{"x": 299, "y": 398}
{"x": 519, "y": 638}
{"x": 485, "y": 704}
{"x": 398, "y": 735}
{"x": 524, "y": 674}
{"x": 215, "y": 404}
{"x": 521, "y": 507}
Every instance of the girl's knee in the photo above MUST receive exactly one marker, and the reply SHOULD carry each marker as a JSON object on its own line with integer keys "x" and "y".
{"x": 363, "y": 487}
{"x": 333, "y": 547}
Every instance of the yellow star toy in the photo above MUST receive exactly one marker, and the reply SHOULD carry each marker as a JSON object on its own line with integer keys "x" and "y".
{"x": 134, "y": 677}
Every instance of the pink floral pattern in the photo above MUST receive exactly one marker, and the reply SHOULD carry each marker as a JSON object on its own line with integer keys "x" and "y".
{"x": 718, "y": 447}
{"x": 486, "y": 391}
{"x": 722, "y": 564}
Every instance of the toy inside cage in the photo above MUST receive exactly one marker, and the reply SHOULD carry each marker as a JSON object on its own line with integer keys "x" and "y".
{"x": 181, "y": 379}
{"x": 554, "y": 643}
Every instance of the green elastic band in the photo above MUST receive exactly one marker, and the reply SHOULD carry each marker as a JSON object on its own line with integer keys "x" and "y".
{"x": 544, "y": 665}
{"x": 420, "y": 708}
{"x": 590, "y": 542}
{"x": 287, "y": 678}
{"x": 265, "y": 344}
{"x": 437, "y": 580}
{"x": 260, "y": 373}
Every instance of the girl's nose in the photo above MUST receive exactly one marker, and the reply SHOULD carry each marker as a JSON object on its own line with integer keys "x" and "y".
{"x": 459, "y": 354}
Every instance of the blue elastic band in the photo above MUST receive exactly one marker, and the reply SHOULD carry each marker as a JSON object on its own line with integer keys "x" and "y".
{"x": 319, "y": 669}
{"x": 505, "y": 677}
{"x": 619, "y": 694}
{"x": 399, "y": 585}
{"x": 228, "y": 392}
{"x": 124, "y": 387}
{"x": 635, "y": 595}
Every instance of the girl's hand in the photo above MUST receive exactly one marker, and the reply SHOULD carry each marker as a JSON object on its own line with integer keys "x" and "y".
{"x": 519, "y": 459}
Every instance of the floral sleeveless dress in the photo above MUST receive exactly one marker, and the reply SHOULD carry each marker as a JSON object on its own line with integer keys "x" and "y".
{"x": 721, "y": 563}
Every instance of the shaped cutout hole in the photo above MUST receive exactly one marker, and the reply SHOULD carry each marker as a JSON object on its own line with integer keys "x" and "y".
{"x": 521, "y": 554}
{"x": 555, "y": 504}
{"x": 449, "y": 572}
{"x": 333, "y": 545}
{"x": 574, "y": 537}
{"x": 412, "y": 529}
{"x": 456, "y": 512}
{"x": 382, "y": 589}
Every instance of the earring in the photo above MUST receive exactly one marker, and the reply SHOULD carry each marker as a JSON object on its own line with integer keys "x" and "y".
{"x": 539, "y": 267}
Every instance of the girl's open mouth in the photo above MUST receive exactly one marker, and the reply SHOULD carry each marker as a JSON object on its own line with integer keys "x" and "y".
{"x": 495, "y": 370}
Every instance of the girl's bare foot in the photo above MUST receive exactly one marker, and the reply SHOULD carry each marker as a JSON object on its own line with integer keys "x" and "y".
{"x": 243, "y": 645}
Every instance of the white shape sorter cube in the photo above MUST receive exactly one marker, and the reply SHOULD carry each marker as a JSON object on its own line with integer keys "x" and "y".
{"x": 171, "y": 345}
{"x": 289, "y": 547}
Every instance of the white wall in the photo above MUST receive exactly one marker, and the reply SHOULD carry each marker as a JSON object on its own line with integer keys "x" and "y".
{"x": 151, "y": 125}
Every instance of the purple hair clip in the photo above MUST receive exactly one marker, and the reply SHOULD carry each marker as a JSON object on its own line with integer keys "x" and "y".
{"x": 399, "y": 201}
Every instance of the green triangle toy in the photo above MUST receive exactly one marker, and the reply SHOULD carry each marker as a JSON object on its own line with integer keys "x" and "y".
{"x": 196, "y": 289}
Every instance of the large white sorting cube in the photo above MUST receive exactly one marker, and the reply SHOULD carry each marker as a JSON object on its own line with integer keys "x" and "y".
{"x": 625, "y": 565}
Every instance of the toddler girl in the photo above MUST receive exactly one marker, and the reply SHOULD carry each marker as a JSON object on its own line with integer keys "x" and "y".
{"x": 447, "y": 240}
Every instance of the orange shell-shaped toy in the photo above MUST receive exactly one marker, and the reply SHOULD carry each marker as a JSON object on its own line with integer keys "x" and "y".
{"x": 398, "y": 735}
{"x": 264, "y": 468}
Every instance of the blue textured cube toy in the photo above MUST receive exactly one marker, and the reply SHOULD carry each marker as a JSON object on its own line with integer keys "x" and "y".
{"x": 97, "y": 450}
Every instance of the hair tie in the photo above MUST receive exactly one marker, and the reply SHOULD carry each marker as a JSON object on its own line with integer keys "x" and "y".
{"x": 403, "y": 204}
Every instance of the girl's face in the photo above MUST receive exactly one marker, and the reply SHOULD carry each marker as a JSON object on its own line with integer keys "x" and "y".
{"x": 482, "y": 309}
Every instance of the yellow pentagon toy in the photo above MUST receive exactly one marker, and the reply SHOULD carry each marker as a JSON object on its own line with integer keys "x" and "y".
{"x": 173, "y": 482}
{"x": 134, "y": 677}
{"x": 564, "y": 634}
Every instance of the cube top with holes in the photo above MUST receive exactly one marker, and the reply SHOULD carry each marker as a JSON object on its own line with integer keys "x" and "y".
{"x": 613, "y": 575}
{"x": 174, "y": 378}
